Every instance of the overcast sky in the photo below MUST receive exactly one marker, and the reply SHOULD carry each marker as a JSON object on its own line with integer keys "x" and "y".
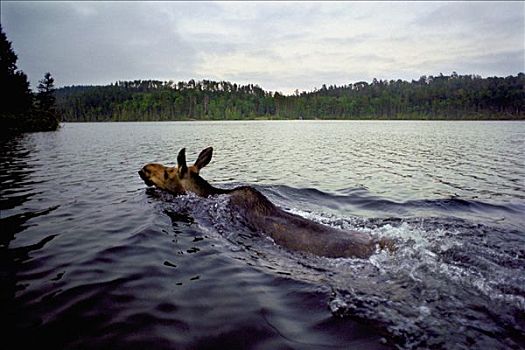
{"x": 278, "y": 45}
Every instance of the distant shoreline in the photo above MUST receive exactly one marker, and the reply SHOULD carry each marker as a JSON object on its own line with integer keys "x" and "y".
{"x": 299, "y": 120}
{"x": 454, "y": 97}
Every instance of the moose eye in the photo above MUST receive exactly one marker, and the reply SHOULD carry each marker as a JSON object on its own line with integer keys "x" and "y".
{"x": 165, "y": 175}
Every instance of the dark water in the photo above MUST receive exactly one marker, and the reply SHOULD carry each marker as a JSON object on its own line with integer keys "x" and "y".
{"x": 90, "y": 258}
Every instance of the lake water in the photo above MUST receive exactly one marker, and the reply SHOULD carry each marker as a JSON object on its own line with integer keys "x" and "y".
{"x": 91, "y": 258}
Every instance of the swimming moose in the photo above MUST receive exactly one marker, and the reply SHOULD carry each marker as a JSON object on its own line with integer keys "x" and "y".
{"x": 288, "y": 230}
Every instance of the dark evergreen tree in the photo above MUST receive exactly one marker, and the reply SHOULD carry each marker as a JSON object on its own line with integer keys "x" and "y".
{"x": 45, "y": 104}
{"x": 45, "y": 97}
{"x": 17, "y": 100}
{"x": 18, "y": 110}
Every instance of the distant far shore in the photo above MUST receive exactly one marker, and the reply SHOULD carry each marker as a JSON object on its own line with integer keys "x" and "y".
{"x": 466, "y": 118}
{"x": 453, "y": 97}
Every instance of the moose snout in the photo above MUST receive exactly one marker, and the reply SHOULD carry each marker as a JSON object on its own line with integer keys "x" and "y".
{"x": 143, "y": 175}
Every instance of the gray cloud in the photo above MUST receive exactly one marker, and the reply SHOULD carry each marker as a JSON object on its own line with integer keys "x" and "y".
{"x": 477, "y": 24}
{"x": 484, "y": 15}
{"x": 349, "y": 40}
{"x": 496, "y": 64}
{"x": 87, "y": 43}
{"x": 280, "y": 46}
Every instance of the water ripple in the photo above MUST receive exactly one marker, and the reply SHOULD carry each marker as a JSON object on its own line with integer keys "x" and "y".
{"x": 91, "y": 258}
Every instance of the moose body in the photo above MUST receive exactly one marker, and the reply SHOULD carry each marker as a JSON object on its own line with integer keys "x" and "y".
{"x": 286, "y": 229}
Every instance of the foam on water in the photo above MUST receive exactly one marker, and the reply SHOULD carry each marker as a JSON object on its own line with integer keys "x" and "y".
{"x": 415, "y": 288}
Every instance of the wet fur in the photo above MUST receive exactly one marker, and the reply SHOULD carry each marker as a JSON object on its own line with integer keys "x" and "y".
{"x": 288, "y": 230}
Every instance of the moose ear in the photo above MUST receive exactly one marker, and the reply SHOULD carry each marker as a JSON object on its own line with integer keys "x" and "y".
{"x": 181, "y": 161}
{"x": 204, "y": 158}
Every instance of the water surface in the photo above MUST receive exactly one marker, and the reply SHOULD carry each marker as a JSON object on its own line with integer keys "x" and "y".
{"x": 90, "y": 257}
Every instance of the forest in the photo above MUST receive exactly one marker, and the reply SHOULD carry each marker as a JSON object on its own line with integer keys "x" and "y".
{"x": 430, "y": 97}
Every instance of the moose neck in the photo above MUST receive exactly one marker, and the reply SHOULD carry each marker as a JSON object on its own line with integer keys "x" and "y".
{"x": 204, "y": 188}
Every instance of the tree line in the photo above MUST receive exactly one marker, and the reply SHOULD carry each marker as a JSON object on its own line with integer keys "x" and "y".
{"x": 430, "y": 97}
{"x": 157, "y": 100}
{"x": 22, "y": 110}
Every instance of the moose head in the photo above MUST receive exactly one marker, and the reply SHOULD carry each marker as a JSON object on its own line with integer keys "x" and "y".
{"x": 182, "y": 178}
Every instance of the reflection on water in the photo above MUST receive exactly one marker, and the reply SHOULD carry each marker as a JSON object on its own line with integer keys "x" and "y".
{"x": 91, "y": 258}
